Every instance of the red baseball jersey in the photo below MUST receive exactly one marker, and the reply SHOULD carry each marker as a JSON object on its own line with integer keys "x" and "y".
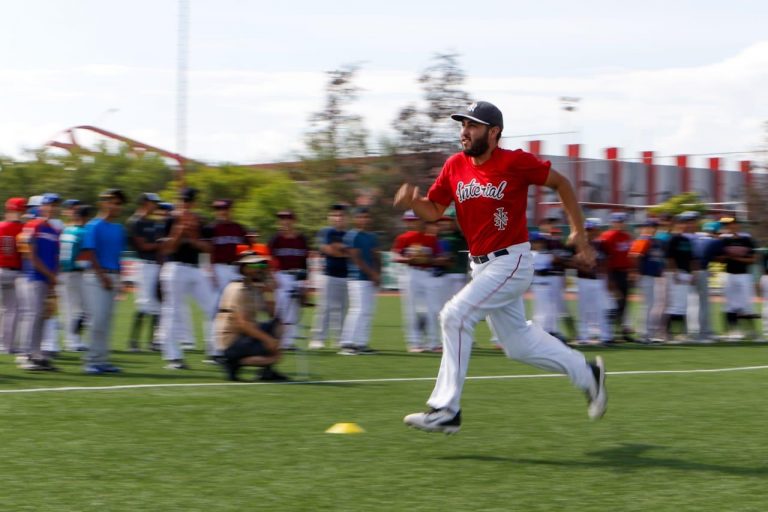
{"x": 422, "y": 243}
{"x": 617, "y": 244}
{"x": 10, "y": 257}
{"x": 290, "y": 252}
{"x": 491, "y": 199}
{"x": 225, "y": 237}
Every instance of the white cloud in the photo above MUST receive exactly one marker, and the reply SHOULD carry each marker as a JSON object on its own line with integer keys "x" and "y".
{"x": 252, "y": 116}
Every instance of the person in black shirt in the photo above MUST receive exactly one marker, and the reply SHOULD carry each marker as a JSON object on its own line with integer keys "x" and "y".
{"x": 738, "y": 254}
{"x": 181, "y": 277}
{"x": 681, "y": 263}
{"x": 764, "y": 290}
{"x": 144, "y": 233}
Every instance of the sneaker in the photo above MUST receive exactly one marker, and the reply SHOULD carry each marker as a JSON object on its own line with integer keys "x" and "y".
{"x": 231, "y": 367}
{"x": 290, "y": 348}
{"x": 316, "y": 345}
{"x": 348, "y": 351}
{"x": 268, "y": 374}
{"x": 598, "y": 400}
{"x": 435, "y": 420}
{"x": 415, "y": 349}
{"x": 214, "y": 360}
{"x": 176, "y": 365}
{"x": 110, "y": 368}
{"x": 94, "y": 369}
{"x": 366, "y": 351}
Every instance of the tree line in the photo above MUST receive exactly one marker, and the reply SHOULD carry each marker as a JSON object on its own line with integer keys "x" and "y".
{"x": 337, "y": 164}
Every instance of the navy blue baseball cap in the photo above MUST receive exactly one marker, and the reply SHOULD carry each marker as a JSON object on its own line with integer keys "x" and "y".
{"x": 188, "y": 194}
{"x": 481, "y": 112}
{"x": 165, "y": 206}
{"x": 69, "y": 203}
{"x": 50, "y": 198}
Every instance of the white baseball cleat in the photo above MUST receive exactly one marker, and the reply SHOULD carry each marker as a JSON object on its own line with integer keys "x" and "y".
{"x": 598, "y": 399}
{"x": 435, "y": 420}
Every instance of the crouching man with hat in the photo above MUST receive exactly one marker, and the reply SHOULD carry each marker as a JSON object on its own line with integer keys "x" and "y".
{"x": 246, "y": 329}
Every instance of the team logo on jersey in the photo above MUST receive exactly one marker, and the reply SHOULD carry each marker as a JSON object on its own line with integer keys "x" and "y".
{"x": 500, "y": 219}
{"x": 473, "y": 190}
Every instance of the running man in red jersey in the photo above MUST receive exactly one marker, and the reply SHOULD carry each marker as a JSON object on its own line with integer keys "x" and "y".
{"x": 489, "y": 186}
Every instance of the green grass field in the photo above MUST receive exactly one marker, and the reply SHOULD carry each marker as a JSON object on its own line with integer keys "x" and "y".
{"x": 670, "y": 441}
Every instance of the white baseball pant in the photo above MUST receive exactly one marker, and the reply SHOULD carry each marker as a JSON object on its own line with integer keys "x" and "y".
{"x": 544, "y": 309}
{"x": 651, "y": 307}
{"x": 72, "y": 300}
{"x": 739, "y": 293}
{"x": 593, "y": 309}
{"x": 180, "y": 281}
{"x": 288, "y": 307}
{"x": 764, "y": 290}
{"x": 148, "y": 272}
{"x": 223, "y": 274}
{"x": 11, "y": 305}
{"x": 496, "y": 290}
{"x": 414, "y": 295}
{"x": 679, "y": 289}
{"x": 362, "y": 304}
{"x": 31, "y": 325}
{"x": 453, "y": 284}
{"x": 100, "y": 305}
{"x": 330, "y": 308}
{"x": 701, "y": 283}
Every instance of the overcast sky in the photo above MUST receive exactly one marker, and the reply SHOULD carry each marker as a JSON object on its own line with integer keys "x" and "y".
{"x": 670, "y": 76}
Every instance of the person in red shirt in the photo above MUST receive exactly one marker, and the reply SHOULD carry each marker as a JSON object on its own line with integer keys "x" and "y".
{"x": 289, "y": 250}
{"x": 226, "y": 236}
{"x": 489, "y": 186}
{"x": 417, "y": 250}
{"x": 10, "y": 270}
{"x": 617, "y": 242}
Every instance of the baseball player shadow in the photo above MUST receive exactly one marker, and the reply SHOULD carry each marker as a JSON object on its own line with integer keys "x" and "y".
{"x": 625, "y": 457}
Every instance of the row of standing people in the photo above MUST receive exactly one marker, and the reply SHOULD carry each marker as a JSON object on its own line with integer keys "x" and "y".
{"x": 669, "y": 263}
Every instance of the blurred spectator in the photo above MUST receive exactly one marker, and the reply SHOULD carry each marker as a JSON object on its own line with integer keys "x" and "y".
{"x": 416, "y": 249}
{"x": 544, "y": 309}
{"x": 10, "y": 272}
{"x": 648, "y": 254}
{"x": 454, "y": 246}
{"x": 738, "y": 253}
{"x": 681, "y": 264}
{"x": 144, "y": 233}
{"x": 592, "y": 282}
{"x": 182, "y": 278}
{"x": 72, "y": 295}
{"x": 332, "y": 292}
{"x": 616, "y": 242}
{"x": 289, "y": 250}
{"x": 103, "y": 245}
{"x": 40, "y": 246}
{"x": 240, "y": 336}
{"x": 362, "y": 284}
{"x": 226, "y": 236}
{"x": 706, "y": 247}
{"x": 764, "y": 290}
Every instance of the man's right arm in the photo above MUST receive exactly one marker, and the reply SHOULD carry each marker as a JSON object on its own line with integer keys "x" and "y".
{"x": 409, "y": 198}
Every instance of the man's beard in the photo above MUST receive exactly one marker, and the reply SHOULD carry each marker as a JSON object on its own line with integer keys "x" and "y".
{"x": 478, "y": 147}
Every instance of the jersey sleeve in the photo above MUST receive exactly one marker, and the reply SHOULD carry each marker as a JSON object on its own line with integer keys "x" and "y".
{"x": 441, "y": 191}
{"x": 536, "y": 170}
{"x": 89, "y": 237}
{"x": 399, "y": 244}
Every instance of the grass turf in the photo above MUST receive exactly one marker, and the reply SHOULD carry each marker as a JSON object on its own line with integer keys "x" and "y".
{"x": 688, "y": 441}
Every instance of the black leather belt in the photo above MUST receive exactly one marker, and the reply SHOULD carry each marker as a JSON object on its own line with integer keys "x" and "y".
{"x": 488, "y": 257}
